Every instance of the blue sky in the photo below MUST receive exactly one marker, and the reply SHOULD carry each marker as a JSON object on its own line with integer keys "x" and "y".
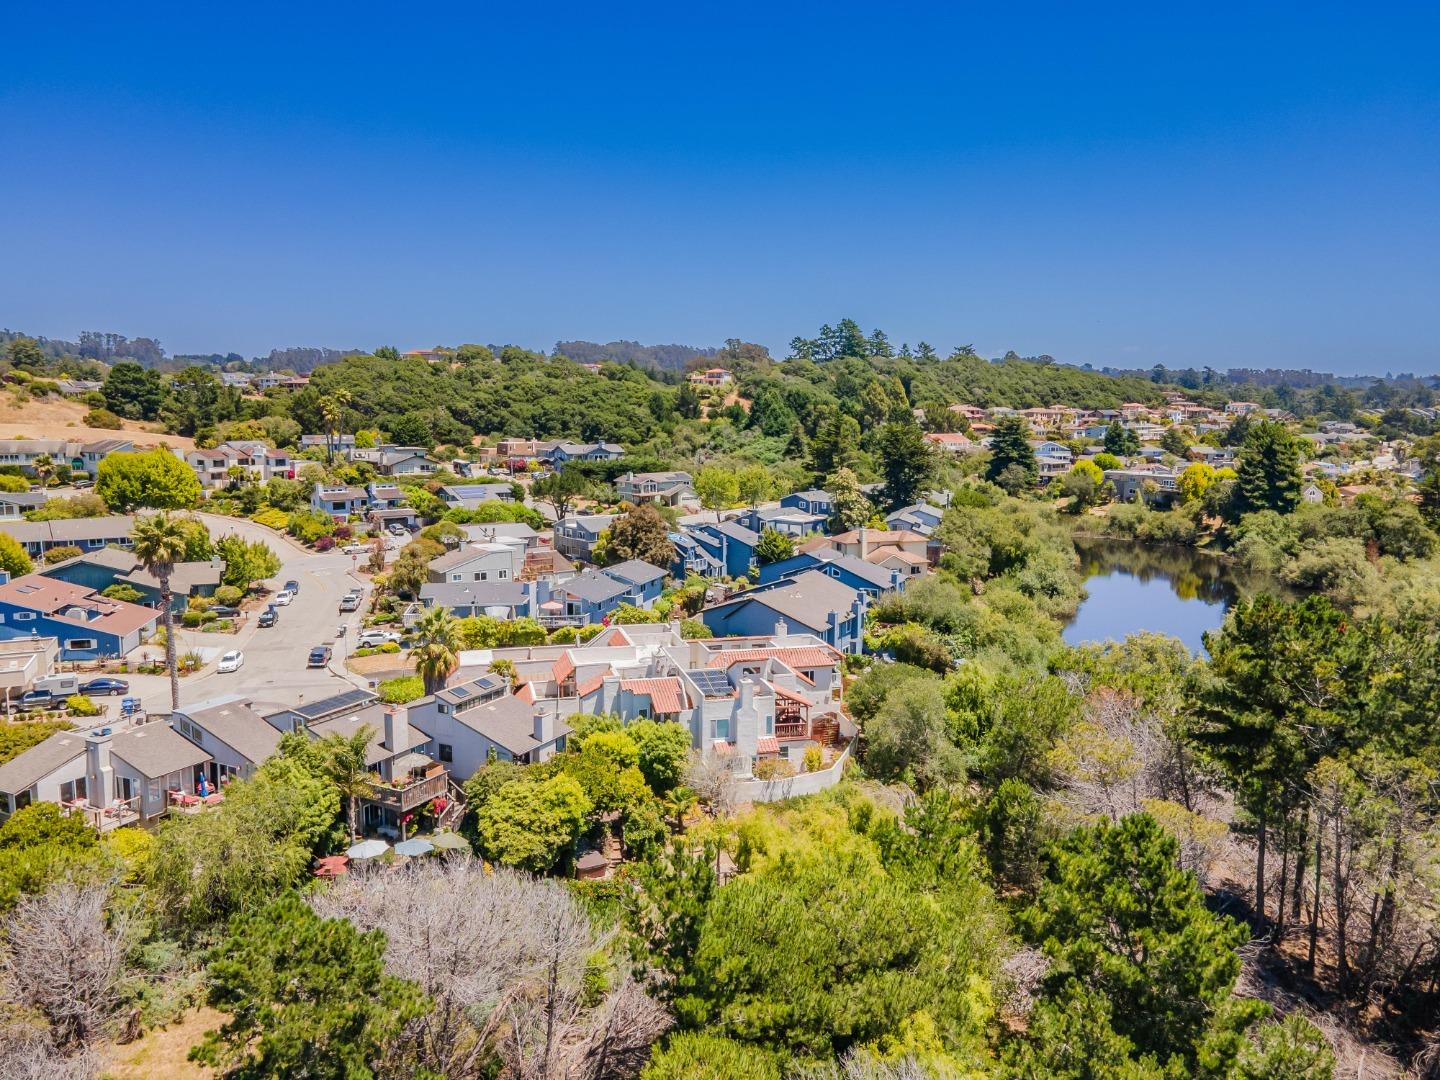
{"x": 1131, "y": 185}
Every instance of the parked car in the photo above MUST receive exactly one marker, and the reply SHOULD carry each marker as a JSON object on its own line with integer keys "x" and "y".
{"x": 268, "y": 618}
{"x": 319, "y": 656}
{"x": 105, "y": 685}
{"x": 355, "y": 549}
{"x": 233, "y": 660}
{"x": 283, "y": 597}
{"x": 83, "y": 485}
{"x": 371, "y": 639}
{"x": 224, "y": 611}
{"x": 292, "y": 587}
{"x": 399, "y": 530}
{"x": 351, "y": 601}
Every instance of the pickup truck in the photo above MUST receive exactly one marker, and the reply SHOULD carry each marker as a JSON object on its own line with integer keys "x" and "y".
{"x": 40, "y": 699}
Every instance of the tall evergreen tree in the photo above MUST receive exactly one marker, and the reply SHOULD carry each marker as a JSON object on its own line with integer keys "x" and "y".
{"x": 1268, "y": 470}
{"x": 1010, "y": 449}
{"x": 907, "y": 460}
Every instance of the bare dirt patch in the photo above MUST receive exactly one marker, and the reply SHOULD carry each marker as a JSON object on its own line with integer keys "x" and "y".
{"x": 162, "y": 1051}
{"x": 59, "y": 418}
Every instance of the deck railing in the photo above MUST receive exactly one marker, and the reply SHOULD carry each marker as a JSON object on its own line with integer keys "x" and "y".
{"x": 408, "y": 797}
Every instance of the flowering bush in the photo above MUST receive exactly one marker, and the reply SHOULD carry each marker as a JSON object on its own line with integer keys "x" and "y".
{"x": 325, "y": 543}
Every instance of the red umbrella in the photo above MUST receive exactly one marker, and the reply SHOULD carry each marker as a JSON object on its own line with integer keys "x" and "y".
{"x": 332, "y": 866}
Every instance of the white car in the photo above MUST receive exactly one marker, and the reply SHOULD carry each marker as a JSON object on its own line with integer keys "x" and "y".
{"x": 371, "y": 639}
{"x": 231, "y": 661}
{"x": 355, "y": 549}
{"x": 283, "y": 597}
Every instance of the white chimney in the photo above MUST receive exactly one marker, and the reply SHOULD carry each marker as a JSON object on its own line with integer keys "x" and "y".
{"x": 544, "y": 721}
{"x": 782, "y": 628}
{"x": 99, "y": 775}
{"x": 397, "y": 730}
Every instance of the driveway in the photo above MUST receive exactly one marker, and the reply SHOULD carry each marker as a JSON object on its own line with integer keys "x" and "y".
{"x": 274, "y": 669}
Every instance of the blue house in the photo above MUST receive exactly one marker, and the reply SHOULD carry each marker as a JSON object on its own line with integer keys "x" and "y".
{"x": 98, "y": 570}
{"x": 589, "y": 597}
{"x": 791, "y": 521}
{"x": 562, "y": 452}
{"x": 722, "y": 549}
{"x": 811, "y": 602}
{"x": 644, "y": 582}
{"x": 88, "y": 625}
{"x": 341, "y": 501}
{"x": 810, "y": 501}
{"x": 919, "y": 517}
{"x": 851, "y": 572}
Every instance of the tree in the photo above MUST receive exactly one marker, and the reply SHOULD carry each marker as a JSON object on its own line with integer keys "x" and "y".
{"x": 561, "y": 489}
{"x": 345, "y": 766}
{"x": 246, "y": 562}
{"x": 434, "y": 643}
{"x": 717, "y": 488}
{"x": 529, "y": 824}
{"x": 1010, "y": 448}
{"x": 1173, "y": 441}
{"x": 133, "y": 392}
{"x": 836, "y": 445}
{"x": 663, "y": 752}
{"x": 1195, "y": 481}
{"x": 307, "y": 997}
{"x": 1120, "y": 440}
{"x": 39, "y": 845}
{"x": 755, "y": 484}
{"x": 687, "y": 402}
{"x": 25, "y": 353}
{"x": 773, "y": 546}
{"x": 1118, "y": 917}
{"x": 641, "y": 533}
{"x": 146, "y": 479}
{"x": 44, "y": 467}
{"x": 907, "y": 460}
{"x": 1084, "y": 485}
{"x": 850, "y": 509}
{"x": 332, "y": 410}
{"x": 14, "y": 560}
{"x": 159, "y": 542}
{"x": 699, "y": 1055}
{"x": 1268, "y": 470}
{"x": 907, "y": 737}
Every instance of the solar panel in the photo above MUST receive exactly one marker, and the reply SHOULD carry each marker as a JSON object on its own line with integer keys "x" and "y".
{"x": 340, "y": 701}
{"x": 712, "y": 683}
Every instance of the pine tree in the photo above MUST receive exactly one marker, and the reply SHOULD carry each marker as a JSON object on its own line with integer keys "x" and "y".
{"x": 1010, "y": 448}
{"x": 1268, "y": 471}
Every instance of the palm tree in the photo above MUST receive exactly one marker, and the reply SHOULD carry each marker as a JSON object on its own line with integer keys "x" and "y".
{"x": 160, "y": 543}
{"x": 345, "y": 764}
{"x": 332, "y": 411}
{"x": 44, "y": 467}
{"x": 436, "y": 640}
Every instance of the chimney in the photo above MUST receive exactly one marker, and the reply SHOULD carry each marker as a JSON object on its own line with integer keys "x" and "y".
{"x": 747, "y": 692}
{"x": 697, "y": 654}
{"x": 397, "y": 730}
{"x": 99, "y": 775}
{"x": 864, "y": 541}
{"x": 782, "y": 628}
{"x": 894, "y": 579}
{"x": 544, "y": 721}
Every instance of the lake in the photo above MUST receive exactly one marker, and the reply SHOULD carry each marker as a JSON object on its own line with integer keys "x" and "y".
{"x": 1161, "y": 589}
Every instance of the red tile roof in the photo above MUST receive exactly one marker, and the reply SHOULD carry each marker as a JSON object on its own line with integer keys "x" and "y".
{"x": 806, "y": 656}
{"x": 664, "y": 694}
{"x": 588, "y": 687}
{"x": 793, "y": 696}
{"x": 563, "y": 668}
{"x": 767, "y": 744}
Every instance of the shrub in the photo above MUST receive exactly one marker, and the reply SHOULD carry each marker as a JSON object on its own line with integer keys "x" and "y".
{"x": 229, "y": 595}
{"x": 271, "y": 518}
{"x": 343, "y": 532}
{"x": 125, "y": 593}
{"x": 325, "y": 543}
{"x": 80, "y": 705}
{"x": 813, "y": 759}
{"x": 389, "y": 647}
{"x": 401, "y": 691}
{"x": 773, "y": 769}
{"x": 60, "y": 554}
{"x": 694, "y": 628}
{"x": 191, "y": 619}
{"x": 103, "y": 418}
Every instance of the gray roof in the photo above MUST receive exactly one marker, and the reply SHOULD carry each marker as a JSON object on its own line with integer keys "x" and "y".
{"x": 341, "y": 492}
{"x": 374, "y": 719}
{"x": 511, "y": 530}
{"x": 507, "y": 722}
{"x": 591, "y": 523}
{"x": 876, "y": 575}
{"x": 465, "y": 554}
{"x": 184, "y": 578}
{"x": 31, "y": 500}
{"x": 154, "y": 750}
{"x": 735, "y": 531}
{"x": 476, "y": 593}
{"x": 806, "y": 599}
{"x": 237, "y": 725}
{"x": 29, "y": 768}
{"x": 463, "y": 692}
{"x": 636, "y": 571}
{"x": 594, "y": 586}
{"x": 69, "y": 530}
{"x": 812, "y": 494}
{"x": 466, "y": 492}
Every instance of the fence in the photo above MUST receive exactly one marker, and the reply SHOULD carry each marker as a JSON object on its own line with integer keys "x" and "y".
{"x": 789, "y": 787}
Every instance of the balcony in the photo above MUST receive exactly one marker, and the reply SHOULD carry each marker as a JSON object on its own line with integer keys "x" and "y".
{"x": 407, "y": 795}
{"x": 795, "y": 730}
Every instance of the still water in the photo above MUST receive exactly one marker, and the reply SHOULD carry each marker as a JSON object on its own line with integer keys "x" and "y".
{"x": 1164, "y": 590}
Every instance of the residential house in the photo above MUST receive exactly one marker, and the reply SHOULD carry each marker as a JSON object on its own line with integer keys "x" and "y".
{"x": 498, "y": 599}
{"x": 952, "y": 442}
{"x": 250, "y": 459}
{"x": 469, "y": 496}
{"x": 88, "y": 625}
{"x": 100, "y": 569}
{"x": 919, "y": 518}
{"x": 715, "y": 376}
{"x": 232, "y": 731}
{"x": 391, "y": 460}
{"x": 339, "y": 442}
{"x": 645, "y": 581}
{"x": 857, "y": 574}
{"x": 811, "y": 501}
{"x": 478, "y": 721}
{"x": 76, "y": 387}
{"x": 662, "y": 488}
{"x": 576, "y": 534}
{"x": 88, "y": 534}
{"x": 1153, "y": 483}
{"x": 112, "y": 775}
{"x": 23, "y": 660}
{"x": 13, "y": 504}
{"x": 339, "y": 501}
{"x": 861, "y": 542}
{"x": 560, "y": 452}
{"x": 384, "y": 496}
{"x": 812, "y": 601}
{"x": 714, "y": 549}
{"x": 789, "y": 521}
{"x": 493, "y": 561}
{"x": 1241, "y": 408}
{"x": 79, "y": 457}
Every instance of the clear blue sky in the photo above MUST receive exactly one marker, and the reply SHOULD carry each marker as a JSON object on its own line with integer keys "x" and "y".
{"x": 1112, "y": 184}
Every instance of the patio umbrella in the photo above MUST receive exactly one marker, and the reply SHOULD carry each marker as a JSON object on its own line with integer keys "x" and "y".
{"x": 449, "y": 841}
{"x": 331, "y": 866}
{"x": 414, "y": 847}
{"x": 368, "y": 849}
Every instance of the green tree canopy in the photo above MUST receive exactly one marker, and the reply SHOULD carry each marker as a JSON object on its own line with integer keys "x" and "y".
{"x": 146, "y": 479}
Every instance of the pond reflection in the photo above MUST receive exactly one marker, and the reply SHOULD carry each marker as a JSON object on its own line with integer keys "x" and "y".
{"x": 1161, "y": 589}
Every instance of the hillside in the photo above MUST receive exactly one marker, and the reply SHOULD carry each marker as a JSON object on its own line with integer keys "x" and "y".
{"x": 61, "y": 418}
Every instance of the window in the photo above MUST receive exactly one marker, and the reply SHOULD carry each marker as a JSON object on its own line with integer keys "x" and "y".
{"x": 84, "y": 644}
{"x": 22, "y": 800}
{"x": 72, "y": 790}
{"x": 504, "y": 574}
{"x": 722, "y": 728}
{"x": 457, "y": 577}
{"x": 447, "y": 752}
{"x": 444, "y": 708}
{"x": 24, "y": 616}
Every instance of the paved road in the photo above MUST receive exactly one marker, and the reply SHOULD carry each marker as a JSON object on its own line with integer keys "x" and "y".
{"x": 274, "y": 668}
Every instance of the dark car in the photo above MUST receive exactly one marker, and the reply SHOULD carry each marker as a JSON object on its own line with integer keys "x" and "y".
{"x": 224, "y": 611}
{"x": 319, "y": 656}
{"x": 268, "y": 618}
{"x": 39, "y": 699}
{"x": 292, "y": 586}
{"x": 114, "y": 687}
